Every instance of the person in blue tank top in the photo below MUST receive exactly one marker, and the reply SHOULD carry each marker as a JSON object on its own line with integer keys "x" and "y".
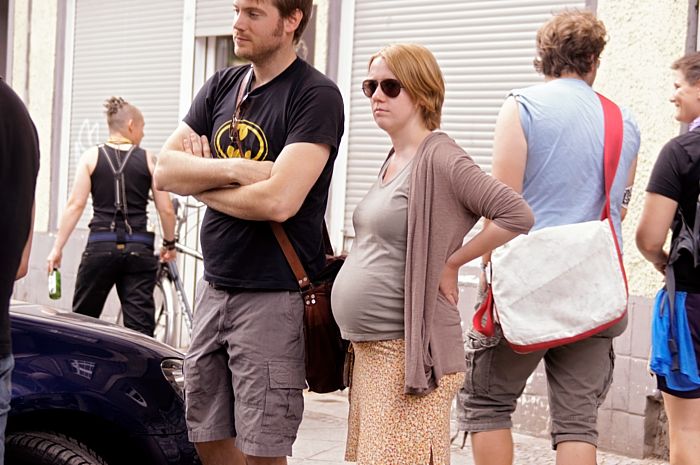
{"x": 548, "y": 145}
{"x": 119, "y": 250}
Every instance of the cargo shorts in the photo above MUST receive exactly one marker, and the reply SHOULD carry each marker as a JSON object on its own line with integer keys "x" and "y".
{"x": 579, "y": 376}
{"x": 244, "y": 371}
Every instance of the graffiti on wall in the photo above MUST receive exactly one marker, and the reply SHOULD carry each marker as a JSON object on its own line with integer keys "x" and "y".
{"x": 88, "y": 136}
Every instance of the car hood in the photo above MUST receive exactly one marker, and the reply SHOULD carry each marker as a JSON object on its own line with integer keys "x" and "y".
{"x": 44, "y": 315}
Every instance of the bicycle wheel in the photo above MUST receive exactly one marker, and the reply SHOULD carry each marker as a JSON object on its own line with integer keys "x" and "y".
{"x": 166, "y": 312}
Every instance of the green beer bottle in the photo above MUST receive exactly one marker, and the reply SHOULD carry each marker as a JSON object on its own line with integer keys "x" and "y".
{"x": 55, "y": 284}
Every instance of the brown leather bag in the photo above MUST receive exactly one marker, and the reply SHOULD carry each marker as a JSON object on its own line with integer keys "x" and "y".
{"x": 325, "y": 350}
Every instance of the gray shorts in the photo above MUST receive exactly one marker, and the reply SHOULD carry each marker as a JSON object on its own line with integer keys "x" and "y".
{"x": 244, "y": 371}
{"x": 579, "y": 376}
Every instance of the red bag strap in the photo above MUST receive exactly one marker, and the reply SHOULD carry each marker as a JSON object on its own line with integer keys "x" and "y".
{"x": 482, "y": 321}
{"x": 612, "y": 149}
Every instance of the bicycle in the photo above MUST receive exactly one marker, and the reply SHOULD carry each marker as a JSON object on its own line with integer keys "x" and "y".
{"x": 173, "y": 311}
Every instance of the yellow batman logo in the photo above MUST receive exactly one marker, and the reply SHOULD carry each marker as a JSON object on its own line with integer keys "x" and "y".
{"x": 250, "y": 135}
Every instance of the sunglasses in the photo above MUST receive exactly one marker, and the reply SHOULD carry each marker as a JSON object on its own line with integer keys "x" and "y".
{"x": 233, "y": 133}
{"x": 390, "y": 87}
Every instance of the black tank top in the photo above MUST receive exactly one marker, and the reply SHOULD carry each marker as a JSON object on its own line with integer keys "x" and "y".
{"x": 138, "y": 183}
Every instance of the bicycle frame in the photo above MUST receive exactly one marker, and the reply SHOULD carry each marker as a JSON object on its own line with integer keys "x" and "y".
{"x": 174, "y": 276}
{"x": 175, "y": 307}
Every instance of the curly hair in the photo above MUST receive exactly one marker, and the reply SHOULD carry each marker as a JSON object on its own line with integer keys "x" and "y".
{"x": 113, "y": 105}
{"x": 418, "y": 70}
{"x": 571, "y": 41}
{"x": 689, "y": 65}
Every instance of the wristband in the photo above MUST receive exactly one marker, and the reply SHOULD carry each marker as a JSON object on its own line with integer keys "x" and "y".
{"x": 169, "y": 245}
{"x": 626, "y": 197}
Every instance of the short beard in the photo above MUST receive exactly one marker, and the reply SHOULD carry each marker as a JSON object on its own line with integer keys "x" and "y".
{"x": 263, "y": 55}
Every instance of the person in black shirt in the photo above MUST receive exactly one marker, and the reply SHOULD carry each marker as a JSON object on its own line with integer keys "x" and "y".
{"x": 119, "y": 249}
{"x": 672, "y": 199}
{"x": 257, "y": 145}
{"x": 19, "y": 165}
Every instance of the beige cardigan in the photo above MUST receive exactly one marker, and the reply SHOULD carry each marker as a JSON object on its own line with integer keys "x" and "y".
{"x": 447, "y": 195}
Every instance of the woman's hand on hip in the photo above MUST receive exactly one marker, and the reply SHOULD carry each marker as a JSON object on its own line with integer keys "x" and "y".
{"x": 448, "y": 284}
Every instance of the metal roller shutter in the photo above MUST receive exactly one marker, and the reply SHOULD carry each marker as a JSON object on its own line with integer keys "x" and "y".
{"x": 485, "y": 48}
{"x": 214, "y": 18}
{"x": 128, "y": 48}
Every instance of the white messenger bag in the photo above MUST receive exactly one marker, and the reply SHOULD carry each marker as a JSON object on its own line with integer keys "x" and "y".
{"x": 563, "y": 283}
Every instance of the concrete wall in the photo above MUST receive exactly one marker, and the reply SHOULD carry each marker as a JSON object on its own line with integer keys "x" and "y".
{"x": 34, "y": 52}
{"x": 635, "y": 71}
{"x": 33, "y": 68}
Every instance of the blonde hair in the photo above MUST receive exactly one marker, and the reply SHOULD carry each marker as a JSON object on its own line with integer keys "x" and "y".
{"x": 119, "y": 112}
{"x": 417, "y": 69}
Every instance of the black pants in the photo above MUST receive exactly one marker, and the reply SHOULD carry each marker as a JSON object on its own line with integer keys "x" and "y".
{"x": 132, "y": 267}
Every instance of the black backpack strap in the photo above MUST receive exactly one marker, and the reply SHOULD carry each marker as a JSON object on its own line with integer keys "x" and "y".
{"x": 688, "y": 239}
{"x": 696, "y": 231}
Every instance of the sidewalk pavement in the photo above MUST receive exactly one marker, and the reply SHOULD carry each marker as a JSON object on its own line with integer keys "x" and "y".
{"x": 321, "y": 439}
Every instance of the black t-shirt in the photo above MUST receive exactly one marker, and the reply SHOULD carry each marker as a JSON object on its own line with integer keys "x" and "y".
{"x": 19, "y": 164}
{"x": 299, "y": 105}
{"x": 676, "y": 175}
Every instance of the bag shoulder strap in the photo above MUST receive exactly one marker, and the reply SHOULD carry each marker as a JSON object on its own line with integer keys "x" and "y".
{"x": 243, "y": 86}
{"x": 612, "y": 150}
{"x": 696, "y": 231}
{"x": 687, "y": 239}
{"x": 290, "y": 254}
{"x": 612, "y": 147}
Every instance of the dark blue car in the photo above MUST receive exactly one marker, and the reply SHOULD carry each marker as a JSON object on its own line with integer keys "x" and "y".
{"x": 89, "y": 392}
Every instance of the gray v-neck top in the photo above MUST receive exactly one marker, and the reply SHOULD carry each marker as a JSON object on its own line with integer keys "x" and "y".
{"x": 368, "y": 293}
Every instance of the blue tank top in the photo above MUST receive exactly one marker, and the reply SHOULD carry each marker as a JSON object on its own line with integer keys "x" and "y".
{"x": 563, "y": 124}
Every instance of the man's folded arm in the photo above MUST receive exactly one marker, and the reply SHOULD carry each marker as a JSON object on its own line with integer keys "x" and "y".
{"x": 281, "y": 196}
{"x": 183, "y": 173}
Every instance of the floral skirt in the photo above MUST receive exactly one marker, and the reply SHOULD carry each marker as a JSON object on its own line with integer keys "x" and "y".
{"x": 388, "y": 427}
